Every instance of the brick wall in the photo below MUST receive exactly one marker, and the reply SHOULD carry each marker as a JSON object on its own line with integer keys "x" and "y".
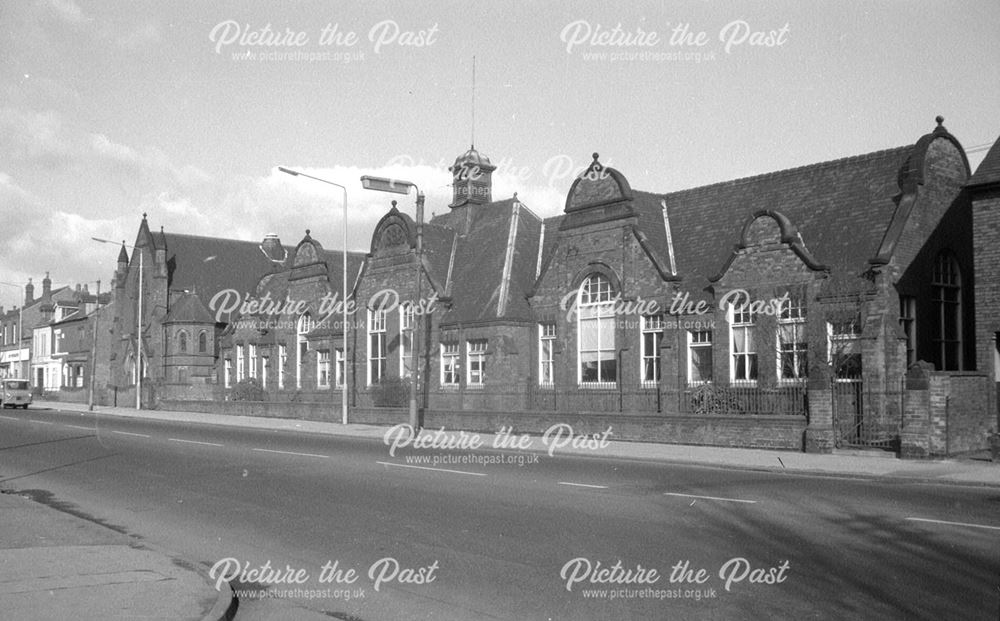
{"x": 986, "y": 253}
{"x": 770, "y": 432}
{"x": 945, "y": 413}
{"x": 968, "y": 417}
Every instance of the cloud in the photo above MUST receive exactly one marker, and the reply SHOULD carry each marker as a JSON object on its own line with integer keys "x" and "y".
{"x": 185, "y": 199}
{"x": 103, "y": 147}
{"x": 67, "y": 11}
{"x": 143, "y": 36}
{"x": 34, "y": 136}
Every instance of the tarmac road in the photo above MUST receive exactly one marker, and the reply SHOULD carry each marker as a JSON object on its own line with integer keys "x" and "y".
{"x": 563, "y": 537}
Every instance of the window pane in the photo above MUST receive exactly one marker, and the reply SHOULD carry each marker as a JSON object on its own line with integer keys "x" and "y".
{"x": 607, "y": 333}
{"x": 609, "y": 370}
{"x": 701, "y": 364}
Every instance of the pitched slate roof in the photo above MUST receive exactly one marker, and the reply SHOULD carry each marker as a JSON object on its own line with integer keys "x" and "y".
{"x": 188, "y": 308}
{"x": 438, "y": 245}
{"x": 207, "y": 265}
{"x": 841, "y": 209}
{"x": 489, "y": 282}
{"x": 989, "y": 169}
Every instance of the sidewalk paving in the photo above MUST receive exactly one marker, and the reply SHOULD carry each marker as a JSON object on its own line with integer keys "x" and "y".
{"x": 58, "y": 566}
{"x": 864, "y": 464}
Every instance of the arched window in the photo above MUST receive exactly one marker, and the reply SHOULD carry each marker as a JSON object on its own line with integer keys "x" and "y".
{"x": 202, "y": 342}
{"x": 596, "y": 332}
{"x": 947, "y": 286}
{"x": 182, "y": 341}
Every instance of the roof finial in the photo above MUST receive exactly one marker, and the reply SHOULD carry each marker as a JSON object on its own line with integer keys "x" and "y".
{"x": 939, "y": 119}
{"x": 394, "y": 203}
{"x": 144, "y": 215}
{"x": 307, "y": 232}
{"x": 515, "y": 196}
{"x": 596, "y": 155}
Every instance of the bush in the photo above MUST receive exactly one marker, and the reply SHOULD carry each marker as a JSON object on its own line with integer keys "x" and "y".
{"x": 391, "y": 392}
{"x": 247, "y": 390}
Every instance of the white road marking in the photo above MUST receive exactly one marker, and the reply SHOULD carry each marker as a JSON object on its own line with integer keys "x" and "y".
{"x": 193, "y": 442}
{"x": 583, "y": 485}
{"x": 916, "y": 519}
{"x": 10, "y": 418}
{"x": 750, "y": 502}
{"x": 475, "y": 474}
{"x": 291, "y": 453}
{"x": 42, "y": 422}
{"x": 80, "y": 427}
{"x": 129, "y": 433}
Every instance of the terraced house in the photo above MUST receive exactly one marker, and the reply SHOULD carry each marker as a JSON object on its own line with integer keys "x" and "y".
{"x": 809, "y": 308}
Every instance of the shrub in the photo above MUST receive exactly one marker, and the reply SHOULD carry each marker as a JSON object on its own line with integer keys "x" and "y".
{"x": 247, "y": 390}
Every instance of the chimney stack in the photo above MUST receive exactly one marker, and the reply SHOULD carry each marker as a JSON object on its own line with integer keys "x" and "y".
{"x": 29, "y": 293}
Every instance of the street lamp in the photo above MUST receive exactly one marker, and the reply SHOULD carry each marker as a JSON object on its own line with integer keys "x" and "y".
{"x": 343, "y": 301}
{"x": 398, "y": 186}
{"x": 138, "y": 322}
{"x": 20, "y": 328}
{"x": 93, "y": 354}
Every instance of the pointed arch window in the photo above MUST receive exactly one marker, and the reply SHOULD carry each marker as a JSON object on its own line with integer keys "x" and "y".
{"x": 947, "y": 295}
{"x": 596, "y": 332}
{"x": 202, "y": 342}
{"x": 182, "y": 341}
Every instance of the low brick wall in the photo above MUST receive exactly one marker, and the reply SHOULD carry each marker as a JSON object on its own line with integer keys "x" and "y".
{"x": 968, "y": 418}
{"x": 771, "y": 432}
{"x": 322, "y": 412}
{"x": 946, "y": 413}
{"x": 66, "y": 395}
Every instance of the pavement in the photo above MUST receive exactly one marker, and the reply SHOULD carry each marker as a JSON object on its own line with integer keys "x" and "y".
{"x": 57, "y": 564}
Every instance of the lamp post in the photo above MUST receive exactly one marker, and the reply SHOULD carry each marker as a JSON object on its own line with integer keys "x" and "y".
{"x": 138, "y": 323}
{"x": 398, "y": 186}
{"x": 93, "y": 351}
{"x": 20, "y": 328}
{"x": 343, "y": 301}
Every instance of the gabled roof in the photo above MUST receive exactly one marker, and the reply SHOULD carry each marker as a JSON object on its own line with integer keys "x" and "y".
{"x": 841, "y": 208}
{"x": 188, "y": 308}
{"x": 439, "y": 242}
{"x": 988, "y": 171}
{"x": 276, "y": 283}
{"x": 494, "y": 264}
{"x": 207, "y": 265}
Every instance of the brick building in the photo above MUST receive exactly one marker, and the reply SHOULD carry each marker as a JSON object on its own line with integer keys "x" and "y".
{"x": 29, "y": 335}
{"x": 788, "y": 309}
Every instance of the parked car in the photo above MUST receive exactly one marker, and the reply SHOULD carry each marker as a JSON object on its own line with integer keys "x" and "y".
{"x": 15, "y": 392}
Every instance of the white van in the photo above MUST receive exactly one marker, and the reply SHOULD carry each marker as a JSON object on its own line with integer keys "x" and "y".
{"x": 15, "y": 392}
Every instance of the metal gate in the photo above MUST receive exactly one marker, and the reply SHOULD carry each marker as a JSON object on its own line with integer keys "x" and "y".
{"x": 864, "y": 417}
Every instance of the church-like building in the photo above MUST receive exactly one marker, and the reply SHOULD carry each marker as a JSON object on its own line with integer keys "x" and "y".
{"x": 808, "y": 308}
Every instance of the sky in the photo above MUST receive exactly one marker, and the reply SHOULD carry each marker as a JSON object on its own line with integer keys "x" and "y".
{"x": 184, "y": 110}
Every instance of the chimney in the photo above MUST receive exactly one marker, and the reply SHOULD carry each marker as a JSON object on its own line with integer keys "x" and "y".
{"x": 272, "y": 248}
{"x": 29, "y": 293}
{"x": 46, "y": 286}
{"x": 85, "y": 289}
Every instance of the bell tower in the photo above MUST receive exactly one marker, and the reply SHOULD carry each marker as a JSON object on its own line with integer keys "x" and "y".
{"x": 472, "y": 179}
